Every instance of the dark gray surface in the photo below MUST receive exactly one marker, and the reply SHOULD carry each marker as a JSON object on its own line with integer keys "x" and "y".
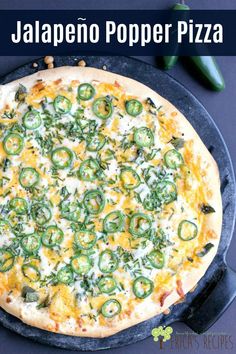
{"x": 202, "y": 122}
{"x": 222, "y": 108}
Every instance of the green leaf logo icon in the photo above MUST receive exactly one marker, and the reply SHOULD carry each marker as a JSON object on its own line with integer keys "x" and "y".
{"x": 165, "y": 333}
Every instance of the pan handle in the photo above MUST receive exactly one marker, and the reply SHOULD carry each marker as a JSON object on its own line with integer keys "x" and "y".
{"x": 211, "y": 307}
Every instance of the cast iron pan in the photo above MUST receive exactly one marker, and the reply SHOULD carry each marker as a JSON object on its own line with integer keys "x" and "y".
{"x": 217, "y": 288}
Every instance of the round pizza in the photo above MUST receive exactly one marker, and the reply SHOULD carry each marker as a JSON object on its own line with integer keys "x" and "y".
{"x": 110, "y": 204}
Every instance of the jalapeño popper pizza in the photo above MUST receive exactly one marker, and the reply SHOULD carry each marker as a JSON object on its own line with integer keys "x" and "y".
{"x": 110, "y": 203}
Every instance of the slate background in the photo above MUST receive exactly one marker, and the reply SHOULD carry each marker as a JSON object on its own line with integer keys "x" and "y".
{"x": 221, "y": 338}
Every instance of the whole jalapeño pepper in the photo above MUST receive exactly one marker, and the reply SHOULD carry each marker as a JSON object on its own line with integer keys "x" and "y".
{"x": 170, "y": 61}
{"x": 210, "y": 71}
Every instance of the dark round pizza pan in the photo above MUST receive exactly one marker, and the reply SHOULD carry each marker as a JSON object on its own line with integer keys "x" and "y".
{"x": 217, "y": 288}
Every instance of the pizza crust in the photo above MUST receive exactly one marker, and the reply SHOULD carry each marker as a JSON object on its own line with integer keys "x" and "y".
{"x": 41, "y": 319}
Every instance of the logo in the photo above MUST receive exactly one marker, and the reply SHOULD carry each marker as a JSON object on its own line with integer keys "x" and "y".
{"x": 163, "y": 333}
{"x": 187, "y": 341}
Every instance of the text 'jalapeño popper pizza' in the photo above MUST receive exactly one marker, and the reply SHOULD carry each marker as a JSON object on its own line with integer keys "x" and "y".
{"x": 110, "y": 203}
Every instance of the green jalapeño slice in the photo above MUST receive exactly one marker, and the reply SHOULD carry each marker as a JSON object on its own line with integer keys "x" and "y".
{"x": 29, "y": 177}
{"x": 6, "y": 260}
{"x": 53, "y": 236}
{"x": 111, "y": 308}
{"x": 62, "y": 157}
{"x": 70, "y": 210}
{"x": 156, "y": 258}
{"x": 140, "y": 224}
{"x": 65, "y": 275}
{"x": 31, "y": 272}
{"x": 107, "y": 284}
{"x": 89, "y": 170}
{"x": 85, "y": 239}
{"x": 187, "y": 230}
{"x": 81, "y": 264}
{"x": 113, "y": 222}
{"x": 85, "y": 92}
{"x": 166, "y": 192}
{"x": 5, "y": 229}
{"x": 13, "y": 144}
{"x": 19, "y": 205}
{"x": 32, "y": 120}
{"x": 143, "y": 137}
{"x": 95, "y": 142}
{"x": 108, "y": 261}
{"x": 41, "y": 213}
{"x": 129, "y": 178}
{"x": 94, "y": 201}
{"x": 31, "y": 243}
{"x": 62, "y": 104}
{"x": 173, "y": 159}
{"x": 133, "y": 107}
{"x": 142, "y": 287}
{"x": 102, "y": 108}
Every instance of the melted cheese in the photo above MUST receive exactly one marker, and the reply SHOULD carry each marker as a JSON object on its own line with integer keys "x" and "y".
{"x": 74, "y": 300}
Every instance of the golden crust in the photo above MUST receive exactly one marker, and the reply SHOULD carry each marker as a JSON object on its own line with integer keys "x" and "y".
{"x": 30, "y": 315}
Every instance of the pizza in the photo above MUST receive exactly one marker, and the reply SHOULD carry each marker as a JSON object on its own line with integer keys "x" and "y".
{"x": 110, "y": 204}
